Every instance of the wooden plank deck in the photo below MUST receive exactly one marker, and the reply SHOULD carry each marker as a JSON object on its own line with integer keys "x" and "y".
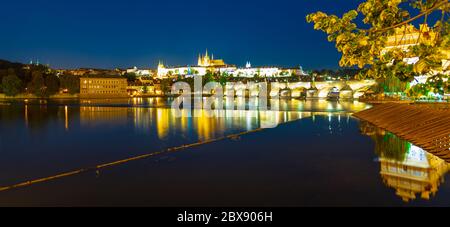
{"x": 423, "y": 125}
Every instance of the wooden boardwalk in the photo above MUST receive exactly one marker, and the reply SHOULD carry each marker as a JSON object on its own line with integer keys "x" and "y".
{"x": 425, "y": 126}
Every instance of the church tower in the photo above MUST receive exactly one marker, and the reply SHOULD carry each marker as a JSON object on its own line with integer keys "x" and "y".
{"x": 206, "y": 59}
{"x": 160, "y": 65}
{"x": 200, "y": 60}
{"x": 161, "y": 70}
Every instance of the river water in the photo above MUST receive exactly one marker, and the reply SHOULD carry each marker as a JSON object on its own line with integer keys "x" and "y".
{"x": 319, "y": 155}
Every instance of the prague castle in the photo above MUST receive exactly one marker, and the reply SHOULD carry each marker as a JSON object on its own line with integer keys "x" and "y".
{"x": 206, "y": 63}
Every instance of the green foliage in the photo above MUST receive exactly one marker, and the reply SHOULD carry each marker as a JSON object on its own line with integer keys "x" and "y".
{"x": 391, "y": 147}
{"x": 52, "y": 84}
{"x": 437, "y": 84}
{"x": 145, "y": 89}
{"x": 392, "y": 84}
{"x": 223, "y": 79}
{"x": 131, "y": 77}
{"x": 71, "y": 83}
{"x": 18, "y": 69}
{"x": 208, "y": 77}
{"x": 11, "y": 85}
{"x": 166, "y": 86}
{"x": 37, "y": 85}
{"x": 365, "y": 46}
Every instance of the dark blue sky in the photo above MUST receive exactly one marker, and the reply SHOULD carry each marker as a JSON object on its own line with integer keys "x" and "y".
{"x": 109, "y": 34}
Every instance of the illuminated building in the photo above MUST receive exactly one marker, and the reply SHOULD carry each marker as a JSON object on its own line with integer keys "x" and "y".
{"x": 407, "y": 36}
{"x": 206, "y": 63}
{"x": 167, "y": 72}
{"x": 99, "y": 87}
{"x": 90, "y": 72}
{"x": 141, "y": 72}
{"x": 142, "y": 86}
{"x": 137, "y": 88}
{"x": 250, "y": 72}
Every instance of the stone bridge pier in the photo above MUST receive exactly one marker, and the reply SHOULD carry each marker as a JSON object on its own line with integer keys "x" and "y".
{"x": 346, "y": 89}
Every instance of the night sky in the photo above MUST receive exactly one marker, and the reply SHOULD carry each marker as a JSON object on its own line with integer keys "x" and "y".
{"x": 110, "y": 34}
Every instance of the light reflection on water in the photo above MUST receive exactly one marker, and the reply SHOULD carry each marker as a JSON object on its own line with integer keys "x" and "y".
{"x": 38, "y": 140}
{"x": 156, "y": 114}
{"x": 410, "y": 170}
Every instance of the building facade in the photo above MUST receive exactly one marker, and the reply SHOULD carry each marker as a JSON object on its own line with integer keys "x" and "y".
{"x": 113, "y": 87}
{"x": 205, "y": 64}
{"x": 407, "y": 36}
{"x": 207, "y": 61}
{"x": 141, "y": 72}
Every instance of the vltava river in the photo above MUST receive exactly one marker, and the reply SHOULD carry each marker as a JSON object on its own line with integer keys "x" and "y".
{"x": 319, "y": 155}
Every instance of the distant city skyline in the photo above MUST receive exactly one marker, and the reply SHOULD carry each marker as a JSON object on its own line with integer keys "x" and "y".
{"x": 124, "y": 34}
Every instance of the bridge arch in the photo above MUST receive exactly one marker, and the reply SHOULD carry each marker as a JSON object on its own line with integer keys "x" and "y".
{"x": 323, "y": 93}
{"x": 346, "y": 92}
{"x": 285, "y": 93}
{"x": 299, "y": 92}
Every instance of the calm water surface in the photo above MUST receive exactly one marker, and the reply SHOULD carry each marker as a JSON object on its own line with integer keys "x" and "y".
{"x": 321, "y": 157}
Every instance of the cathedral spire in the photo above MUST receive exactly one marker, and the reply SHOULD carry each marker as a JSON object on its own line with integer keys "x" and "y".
{"x": 160, "y": 64}
{"x": 199, "y": 62}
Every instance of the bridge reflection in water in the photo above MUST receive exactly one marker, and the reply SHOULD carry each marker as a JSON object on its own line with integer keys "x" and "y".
{"x": 155, "y": 115}
{"x": 408, "y": 169}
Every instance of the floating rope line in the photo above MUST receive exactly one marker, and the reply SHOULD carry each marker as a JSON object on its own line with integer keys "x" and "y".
{"x": 123, "y": 161}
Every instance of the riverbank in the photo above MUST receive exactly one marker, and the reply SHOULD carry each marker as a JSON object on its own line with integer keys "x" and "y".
{"x": 375, "y": 102}
{"x": 425, "y": 125}
{"x": 30, "y": 96}
{"x": 77, "y": 96}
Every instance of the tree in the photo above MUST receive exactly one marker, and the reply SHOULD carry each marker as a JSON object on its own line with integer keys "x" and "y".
{"x": 166, "y": 86}
{"x": 11, "y": 85}
{"x": 365, "y": 47}
{"x": 223, "y": 78}
{"x": 392, "y": 84}
{"x": 145, "y": 89}
{"x": 71, "y": 83}
{"x": 52, "y": 84}
{"x": 131, "y": 77}
{"x": 437, "y": 84}
{"x": 37, "y": 84}
{"x": 208, "y": 77}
